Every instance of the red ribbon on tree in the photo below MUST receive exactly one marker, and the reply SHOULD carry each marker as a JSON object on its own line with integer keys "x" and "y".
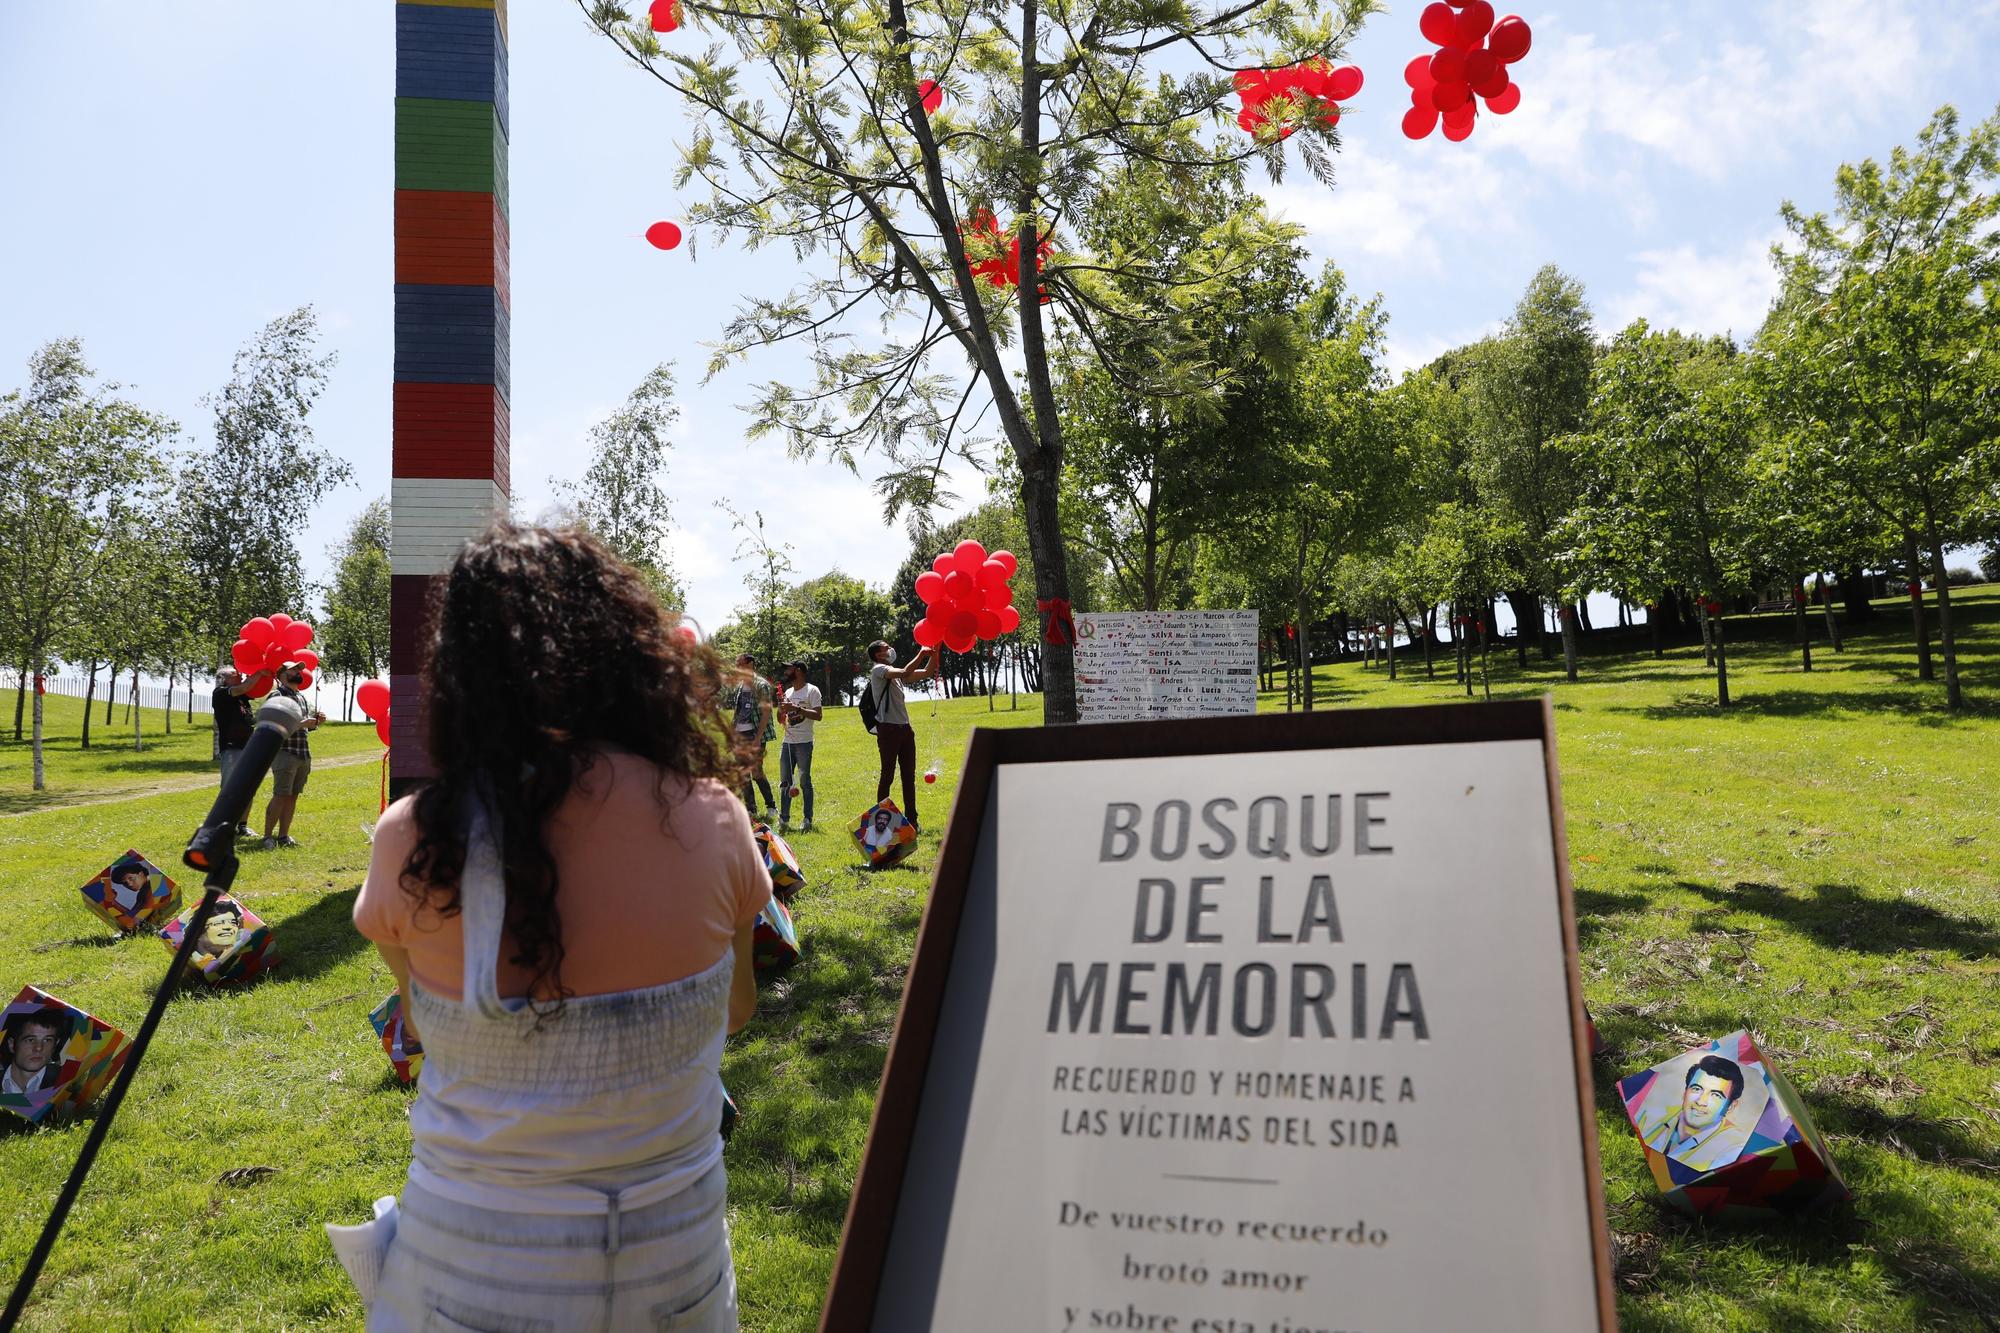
{"x": 1915, "y": 589}
{"x": 1058, "y": 627}
{"x": 41, "y": 687}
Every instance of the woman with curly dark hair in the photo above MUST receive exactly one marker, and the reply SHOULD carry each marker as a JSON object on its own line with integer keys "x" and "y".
{"x": 567, "y": 908}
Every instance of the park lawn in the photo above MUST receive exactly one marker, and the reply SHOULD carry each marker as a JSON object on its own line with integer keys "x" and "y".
{"x": 1818, "y": 863}
{"x": 111, "y": 765}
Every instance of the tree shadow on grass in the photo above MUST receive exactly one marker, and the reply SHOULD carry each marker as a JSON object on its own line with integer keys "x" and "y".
{"x": 318, "y": 939}
{"x": 1928, "y": 1139}
{"x": 1913, "y": 704}
{"x": 1840, "y": 916}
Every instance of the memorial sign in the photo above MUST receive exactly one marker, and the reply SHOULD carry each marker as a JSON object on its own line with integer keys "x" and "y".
{"x": 1135, "y": 666}
{"x": 1263, "y": 1024}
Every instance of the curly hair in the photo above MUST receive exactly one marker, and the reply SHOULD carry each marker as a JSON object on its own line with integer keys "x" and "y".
{"x": 545, "y": 649}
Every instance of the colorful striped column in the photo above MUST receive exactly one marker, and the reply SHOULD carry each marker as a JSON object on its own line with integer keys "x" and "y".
{"x": 449, "y": 475}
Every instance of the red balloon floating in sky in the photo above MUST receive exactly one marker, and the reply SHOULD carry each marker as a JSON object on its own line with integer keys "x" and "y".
{"x": 931, "y": 95}
{"x": 1314, "y": 80}
{"x": 664, "y": 235}
{"x": 665, "y": 14}
{"x": 1470, "y": 64}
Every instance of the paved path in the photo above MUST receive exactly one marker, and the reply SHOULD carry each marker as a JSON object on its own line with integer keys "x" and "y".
{"x": 185, "y": 784}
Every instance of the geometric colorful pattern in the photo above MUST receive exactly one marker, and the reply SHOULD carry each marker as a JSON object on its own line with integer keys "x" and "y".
{"x": 235, "y": 946}
{"x": 125, "y": 901}
{"x": 1726, "y": 1134}
{"x": 728, "y": 1114}
{"x": 449, "y": 471}
{"x": 84, "y": 1056}
{"x": 774, "y": 943}
{"x": 883, "y": 835}
{"x": 406, "y": 1053}
{"x": 779, "y": 862}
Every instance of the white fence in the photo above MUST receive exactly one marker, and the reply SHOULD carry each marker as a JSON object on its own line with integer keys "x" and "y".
{"x": 77, "y": 687}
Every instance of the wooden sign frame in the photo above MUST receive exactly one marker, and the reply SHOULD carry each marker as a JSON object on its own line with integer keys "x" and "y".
{"x": 853, "y": 1294}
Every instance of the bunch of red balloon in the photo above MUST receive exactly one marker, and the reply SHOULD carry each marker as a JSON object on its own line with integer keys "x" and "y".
{"x": 966, "y": 597}
{"x": 1314, "y": 79}
{"x": 665, "y": 15}
{"x": 267, "y": 643}
{"x": 996, "y": 255}
{"x": 1470, "y": 63}
{"x": 372, "y": 698}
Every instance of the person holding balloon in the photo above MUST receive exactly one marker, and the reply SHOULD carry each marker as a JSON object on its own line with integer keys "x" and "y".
{"x": 233, "y": 724}
{"x": 895, "y": 737}
{"x": 293, "y": 764}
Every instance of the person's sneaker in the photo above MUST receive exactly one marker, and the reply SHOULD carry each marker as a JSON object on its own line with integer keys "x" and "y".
{"x": 244, "y": 831}
{"x": 784, "y": 826}
{"x": 915, "y": 827}
{"x": 287, "y": 842}
{"x": 269, "y": 844}
{"x": 806, "y": 827}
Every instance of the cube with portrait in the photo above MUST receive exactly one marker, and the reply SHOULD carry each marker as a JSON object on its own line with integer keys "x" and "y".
{"x": 780, "y": 862}
{"x": 235, "y": 944}
{"x": 1725, "y": 1133}
{"x": 132, "y": 893}
{"x": 774, "y": 941}
{"x": 54, "y": 1057}
{"x": 884, "y": 835}
{"x": 405, "y": 1051}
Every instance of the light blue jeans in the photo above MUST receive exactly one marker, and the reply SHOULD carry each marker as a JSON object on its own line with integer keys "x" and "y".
{"x": 795, "y": 755}
{"x": 455, "y": 1267}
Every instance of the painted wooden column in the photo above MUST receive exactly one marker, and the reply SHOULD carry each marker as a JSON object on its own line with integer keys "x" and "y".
{"x": 449, "y": 474}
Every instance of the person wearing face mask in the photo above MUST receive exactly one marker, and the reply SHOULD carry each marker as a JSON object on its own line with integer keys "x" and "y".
{"x": 895, "y": 738}
{"x": 293, "y": 764}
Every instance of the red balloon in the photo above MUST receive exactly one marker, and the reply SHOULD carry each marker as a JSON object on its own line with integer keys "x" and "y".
{"x": 962, "y": 644}
{"x": 1249, "y": 121}
{"x": 1505, "y": 100}
{"x": 1010, "y": 619}
{"x": 1475, "y": 20}
{"x": 278, "y": 623}
{"x": 1448, "y": 97}
{"x": 1457, "y": 131}
{"x": 261, "y": 688}
{"x": 1494, "y": 86}
{"x": 382, "y": 728}
{"x": 305, "y": 680}
{"x": 967, "y": 557}
{"x": 992, "y": 572}
{"x": 1419, "y": 121}
{"x": 372, "y": 698}
{"x": 1253, "y": 85}
{"x": 1465, "y": 115}
{"x": 928, "y": 633}
{"x": 664, "y": 235}
{"x": 257, "y": 632}
{"x": 1510, "y": 39}
{"x": 1308, "y": 78}
{"x": 297, "y": 635}
{"x": 1448, "y": 66}
{"x": 1438, "y": 24}
{"x": 987, "y": 622}
{"x": 1481, "y": 66}
{"x": 960, "y": 587}
{"x": 930, "y": 95}
{"x": 961, "y": 624}
{"x": 307, "y": 659}
{"x": 1006, "y": 558}
{"x": 666, "y": 16}
{"x": 274, "y": 657}
{"x": 1418, "y": 72}
{"x": 245, "y": 655}
{"x": 1344, "y": 82}
{"x": 930, "y": 586}
{"x": 999, "y": 595}
{"x": 941, "y": 562}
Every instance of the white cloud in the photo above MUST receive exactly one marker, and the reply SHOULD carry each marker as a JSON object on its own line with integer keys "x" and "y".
{"x": 1722, "y": 291}
{"x": 1412, "y": 210}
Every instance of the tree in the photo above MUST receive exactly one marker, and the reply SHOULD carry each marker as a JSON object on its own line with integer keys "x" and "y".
{"x": 1666, "y": 467}
{"x": 72, "y": 457}
{"x": 621, "y": 498}
{"x": 769, "y": 624}
{"x": 1531, "y": 387}
{"x": 839, "y": 617}
{"x": 354, "y": 629}
{"x": 811, "y": 131}
{"x": 242, "y": 502}
{"x": 1885, "y": 354}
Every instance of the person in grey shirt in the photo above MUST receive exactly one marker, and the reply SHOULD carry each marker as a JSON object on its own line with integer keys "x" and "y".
{"x": 895, "y": 738}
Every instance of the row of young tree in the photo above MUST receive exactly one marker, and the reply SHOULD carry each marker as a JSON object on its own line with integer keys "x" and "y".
{"x": 1856, "y": 431}
{"x": 130, "y": 549}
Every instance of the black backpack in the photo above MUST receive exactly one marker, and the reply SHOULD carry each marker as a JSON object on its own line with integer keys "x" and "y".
{"x": 867, "y": 706}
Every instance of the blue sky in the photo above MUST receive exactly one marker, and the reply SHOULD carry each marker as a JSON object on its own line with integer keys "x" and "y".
{"x": 180, "y": 172}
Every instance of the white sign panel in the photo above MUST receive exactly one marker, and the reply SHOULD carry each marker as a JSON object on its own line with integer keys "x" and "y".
{"x": 1132, "y": 666}
{"x": 1268, "y": 1042}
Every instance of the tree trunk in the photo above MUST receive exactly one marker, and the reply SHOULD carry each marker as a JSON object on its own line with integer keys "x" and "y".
{"x": 1485, "y": 676}
{"x": 1653, "y": 630}
{"x": 1568, "y": 616}
{"x": 1707, "y": 634}
{"x": 1389, "y": 645}
{"x": 190, "y": 716}
{"x": 1826, "y": 604}
{"x": 89, "y": 701}
{"x": 136, "y": 745}
{"x": 41, "y": 775}
{"x": 20, "y": 698}
{"x": 1527, "y": 613}
{"x": 1583, "y": 624}
{"x": 1721, "y": 663}
{"x": 1913, "y": 573}
{"x": 1045, "y": 543}
{"x": 170, "y": 702}
{"x": 1854, "y": 594}
{"x": 1299, "y": 611}
{"x": 1954, "y": 699}
{"x": 1430, "y": 632}
{"x": 110, "y": 690}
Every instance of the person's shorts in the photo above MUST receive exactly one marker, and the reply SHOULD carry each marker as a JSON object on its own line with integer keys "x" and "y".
{"x": 289, "y": 772}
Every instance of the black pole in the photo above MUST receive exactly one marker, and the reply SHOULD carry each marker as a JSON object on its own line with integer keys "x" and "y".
{"x": 212, "y": 849}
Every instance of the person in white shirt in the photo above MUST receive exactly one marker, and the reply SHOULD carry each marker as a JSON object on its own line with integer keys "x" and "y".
{"x": 31, "y": 1041}
{"x": 801, "y": 708}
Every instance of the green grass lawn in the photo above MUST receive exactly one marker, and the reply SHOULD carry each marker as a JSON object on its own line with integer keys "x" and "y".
{"x": 1819, "y": 863}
